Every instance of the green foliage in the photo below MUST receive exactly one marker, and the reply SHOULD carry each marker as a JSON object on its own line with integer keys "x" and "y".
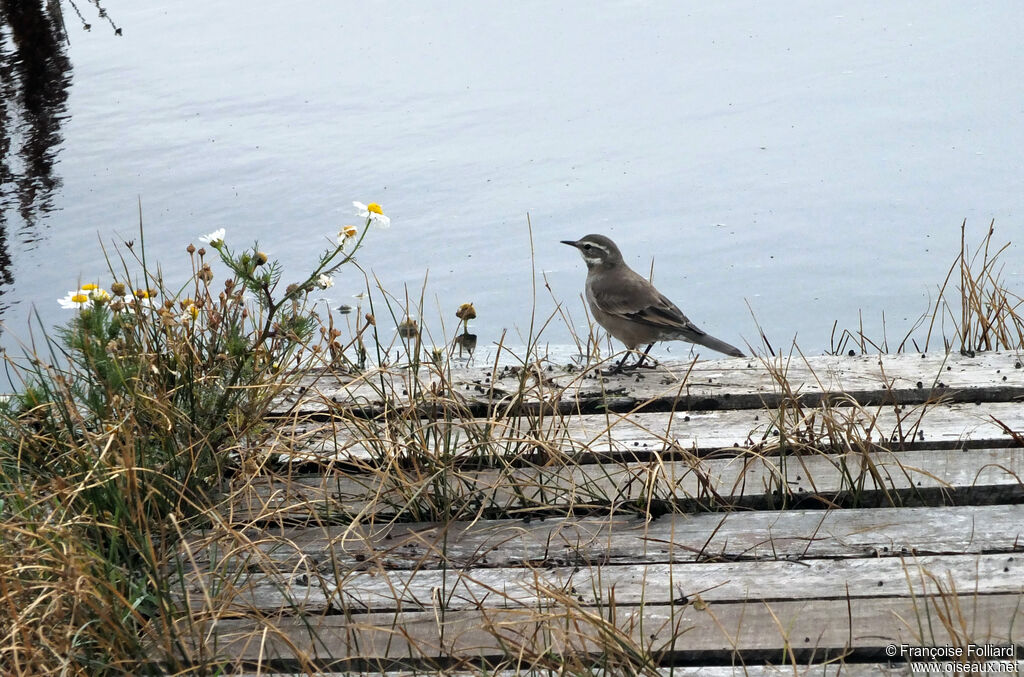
{"x": 119, "y": 437}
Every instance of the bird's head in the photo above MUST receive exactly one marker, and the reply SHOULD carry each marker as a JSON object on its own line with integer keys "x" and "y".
{"x": 597, "y": 250}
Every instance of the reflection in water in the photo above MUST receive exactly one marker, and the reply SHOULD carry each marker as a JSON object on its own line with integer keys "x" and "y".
{"x": 34, "y": 77}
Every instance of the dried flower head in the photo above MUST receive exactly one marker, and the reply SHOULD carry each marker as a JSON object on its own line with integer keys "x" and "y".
{"x": 408, "y": 328}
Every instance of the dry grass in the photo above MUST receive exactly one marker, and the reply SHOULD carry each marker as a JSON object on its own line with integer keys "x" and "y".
{"x": 978, "y": 314}
{"x": 116, "y": 564}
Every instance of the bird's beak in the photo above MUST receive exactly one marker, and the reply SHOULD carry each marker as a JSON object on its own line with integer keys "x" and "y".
{"x": 571, "y": 243}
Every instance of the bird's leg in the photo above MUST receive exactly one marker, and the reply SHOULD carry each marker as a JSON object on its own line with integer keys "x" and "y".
{"x": 617, "y": 369}
{"x": 620, "y": 367}
{"x": 642, "y": 357}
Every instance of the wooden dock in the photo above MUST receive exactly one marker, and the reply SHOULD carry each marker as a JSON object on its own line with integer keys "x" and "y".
{"x": 734, "y": 517}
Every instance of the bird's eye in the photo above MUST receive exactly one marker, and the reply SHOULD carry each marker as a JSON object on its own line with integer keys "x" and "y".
{"x": 587, "y": 247}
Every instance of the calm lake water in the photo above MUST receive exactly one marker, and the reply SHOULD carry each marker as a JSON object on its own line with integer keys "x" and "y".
{"x": 813, "y": 160}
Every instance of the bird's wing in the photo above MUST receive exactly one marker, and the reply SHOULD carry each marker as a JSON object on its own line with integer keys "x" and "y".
{"x": 665, "y": 314}
{"x": 636, "y": 299}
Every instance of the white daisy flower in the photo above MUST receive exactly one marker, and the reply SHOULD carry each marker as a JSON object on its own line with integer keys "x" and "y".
{"x": 373, "y": 213}
{"x": 346, "y": 234}
{"x": 99, "y": 294}
{"x": 140, "y": 303}
{"x": 215, "y": 239}
{"x": 189, "y": 312}
{"x": 325, "y": 281}
{"x": 76, "y": 299}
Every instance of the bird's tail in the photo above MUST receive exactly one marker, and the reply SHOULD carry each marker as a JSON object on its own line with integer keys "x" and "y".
{"x": 719, "y": 346}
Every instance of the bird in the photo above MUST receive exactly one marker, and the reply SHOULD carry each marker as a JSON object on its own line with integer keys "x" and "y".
{"x": 630, "y": 308}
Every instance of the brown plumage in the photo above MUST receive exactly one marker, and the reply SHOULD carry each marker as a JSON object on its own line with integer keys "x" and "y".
{"x": 630, "y": 307}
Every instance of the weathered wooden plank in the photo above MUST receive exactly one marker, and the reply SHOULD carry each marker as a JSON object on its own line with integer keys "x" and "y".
{"x": 714, "y": 384}
{"x": 721, "y": 630}
{"x": 800, "y": 669}
{"x": 250, "y": 593}
{"x": 771, "y": 585}
{"x": 362, "y": 442}
{"x": 619, "y": 539}
{"x": 870, "y": 478}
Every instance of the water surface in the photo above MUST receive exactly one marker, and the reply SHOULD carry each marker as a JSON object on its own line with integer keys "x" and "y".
{"x": 813, "y": 160}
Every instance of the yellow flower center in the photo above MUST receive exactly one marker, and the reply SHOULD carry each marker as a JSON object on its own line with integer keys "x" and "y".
{"x": 141, "y": 294}
{"x": 80, "y": 298}
{"x": 375, "y": 208}
{"x": 349, "y": 231}
{"x": 90, "y": 287}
